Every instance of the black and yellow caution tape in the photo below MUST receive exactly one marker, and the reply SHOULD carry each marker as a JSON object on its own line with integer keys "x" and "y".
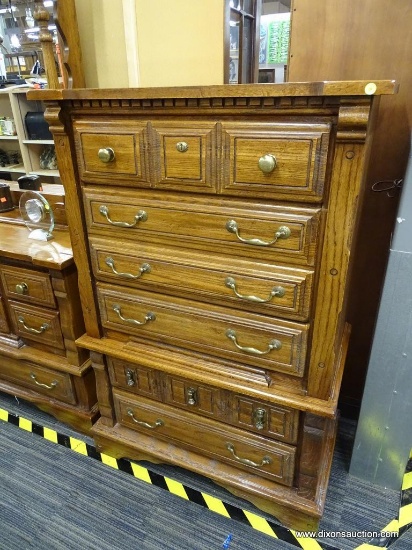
{"x": 398, "y": 526}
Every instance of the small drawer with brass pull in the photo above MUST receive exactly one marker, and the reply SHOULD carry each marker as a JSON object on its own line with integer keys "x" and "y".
{"x": 27, "y": 285}
{"x": 134, "y": 378}
{"x": 33, "y": 323}
{"x": 51, "y": 383}
{"x": 248, "y": 451}
{"x": 275, "y": 421}
{"x": 194, "y": 396}
{"x": 286, "y": 161}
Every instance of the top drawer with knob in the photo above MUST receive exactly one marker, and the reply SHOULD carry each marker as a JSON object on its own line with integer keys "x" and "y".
{"x": 27, "y": 285}
{"x": 286, "y": 161}
{"x": 107, "y": 148}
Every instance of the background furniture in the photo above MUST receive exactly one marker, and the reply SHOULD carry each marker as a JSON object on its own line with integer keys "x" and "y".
{"x": 379, "y": 46}
{"x": 214, "y": 226}
{"x": 15, "y": 105}
{"x": 40, "y": 319}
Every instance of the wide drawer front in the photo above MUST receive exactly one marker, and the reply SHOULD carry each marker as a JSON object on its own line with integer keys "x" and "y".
{"x": 278, "y": 233}
{"x": 247, "y": 285}
{"x": 27, "y": 285}
{"x": 261, "y": 417}
{"x": 54, "y": 384}
{"x": 250, "y": 452}
{"x": 34, "y": 323}
{"x": 272, "y": 344}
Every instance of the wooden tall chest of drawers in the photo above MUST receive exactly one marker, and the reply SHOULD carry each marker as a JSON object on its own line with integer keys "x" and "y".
{"x": 212, "y": 228}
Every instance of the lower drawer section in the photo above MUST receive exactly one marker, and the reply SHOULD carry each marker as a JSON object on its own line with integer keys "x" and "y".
{"x": 269, "y": 420}
{"x": 272, "y": 460}
{"x": 54, "y": 384}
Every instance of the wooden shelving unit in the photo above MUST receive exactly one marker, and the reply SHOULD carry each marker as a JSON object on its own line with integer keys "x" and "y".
{"x": 15, "y": 105}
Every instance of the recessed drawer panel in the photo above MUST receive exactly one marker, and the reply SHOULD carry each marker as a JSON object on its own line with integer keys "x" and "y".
{"x": 134, "y": 378}
{"x": 276, "y": 160}
{"x": 27, "y": 285}
{"x": 266, "y": 232}
{"x": 265, "y": 418}
{"x": 260, "y": 341}
{"x": 194, "y": 396}
{"x": 108, "y": 148}
{"x": 254, "y": 286}
{"x": 54, "y": 384}
{"x": 250, "y": 452}
{"x": 34, "y": 323}
{"x": 186, "y": 155}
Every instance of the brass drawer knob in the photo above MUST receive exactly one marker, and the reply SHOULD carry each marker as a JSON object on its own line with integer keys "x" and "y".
{"x": 267, "y": 163}
{"x": 106, "y": 155}
{"x": 22, "y": 288}
{"x": 182, "y": 146}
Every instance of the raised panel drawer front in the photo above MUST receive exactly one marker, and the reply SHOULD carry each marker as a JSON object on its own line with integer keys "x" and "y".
{"x": 261, "y": 231}
{"x": 133, "y": 378}
{"x": 185, "y": 155}
{"x": 265, "y": 418}
{"x": 255, "y": 286}
{"x": 27, "y": 285}
{"x": 194, "y": 396}
{"x": 251, "y": 452}
{"x": 286, "y": 161}
{"x": 54, "y": 384}
{"x": 34, "y": 323}
{"x": 272, "y": 344}
{"x": 112, "y": 151}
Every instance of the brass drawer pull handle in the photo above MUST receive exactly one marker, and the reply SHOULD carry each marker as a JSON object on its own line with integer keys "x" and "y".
{"x": 277, "y": 291}
{"x": 52, "y": 385}
{"x": 141, "y": 216}
{"x": 282, "y": 233}
{"x": 157, "y": 424}
{"x": 148, "y": 317}
{"x": 182, "y": 146}
{"x": 267, "y": 163}
{"x": 130, "y": 377}
{"x": 265, "y": 460}
{"x": 273, "y": 344}
{"x": 42, "y": 329}
{"x": 106, "y": 155}
{"x": 259, "y": 418}
{"x": 145, "y": 268}
{"x": 191, "y": 396}
{"x": 22, "y": 288}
